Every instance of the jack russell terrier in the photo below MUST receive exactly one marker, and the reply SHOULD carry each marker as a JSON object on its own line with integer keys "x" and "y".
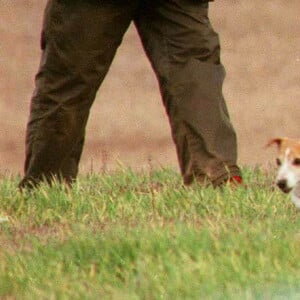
{"x": 288, "y": 161}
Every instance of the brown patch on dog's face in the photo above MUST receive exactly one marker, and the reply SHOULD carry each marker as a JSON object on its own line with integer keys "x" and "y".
{"x": 286, "y": 143}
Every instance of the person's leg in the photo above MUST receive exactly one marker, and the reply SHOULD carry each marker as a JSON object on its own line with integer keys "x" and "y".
{"x": 185, "y": 53}
{"x": 79, "y": 41}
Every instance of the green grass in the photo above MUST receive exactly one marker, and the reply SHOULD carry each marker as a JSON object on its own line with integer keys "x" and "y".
{"x": 145, "y": 236}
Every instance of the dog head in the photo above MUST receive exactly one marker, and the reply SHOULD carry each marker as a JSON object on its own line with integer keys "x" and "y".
{"x": 288, "y": 161}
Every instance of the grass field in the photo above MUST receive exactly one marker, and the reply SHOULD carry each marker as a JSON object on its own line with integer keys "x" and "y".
{"x": 131, "y": 235}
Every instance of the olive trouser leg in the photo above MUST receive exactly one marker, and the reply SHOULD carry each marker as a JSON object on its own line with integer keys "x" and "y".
{"x": 79, "y": 41}
{"x": 185, "y": 53}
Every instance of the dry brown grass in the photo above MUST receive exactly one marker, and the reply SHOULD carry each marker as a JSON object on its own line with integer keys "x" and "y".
{"x": 261, "y": 52}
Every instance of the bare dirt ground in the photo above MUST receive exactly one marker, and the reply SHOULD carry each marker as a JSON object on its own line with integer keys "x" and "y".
{"x": 261, "y": 52}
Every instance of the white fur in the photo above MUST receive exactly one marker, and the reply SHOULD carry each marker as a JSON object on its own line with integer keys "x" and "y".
{"x": 291, "y": 173}
{"x": 296, "y": 195}
{"x": 287, "y": 171}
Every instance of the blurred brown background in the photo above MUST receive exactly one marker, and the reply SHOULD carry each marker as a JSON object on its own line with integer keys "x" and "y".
{"x": 261, "y": 52}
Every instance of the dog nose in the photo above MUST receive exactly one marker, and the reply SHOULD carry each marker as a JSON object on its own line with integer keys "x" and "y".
{"x": 282, "y": 184}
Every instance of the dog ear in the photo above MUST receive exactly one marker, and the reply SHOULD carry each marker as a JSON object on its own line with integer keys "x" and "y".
{"x": 277, "y": 141}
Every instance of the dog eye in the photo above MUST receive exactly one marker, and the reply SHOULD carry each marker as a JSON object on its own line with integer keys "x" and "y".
{"x": 296, "y": 162}
{"x": 278, "y": 162}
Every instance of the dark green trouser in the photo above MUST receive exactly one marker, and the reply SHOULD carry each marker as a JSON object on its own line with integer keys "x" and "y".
{"x": 79, "y": 41}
